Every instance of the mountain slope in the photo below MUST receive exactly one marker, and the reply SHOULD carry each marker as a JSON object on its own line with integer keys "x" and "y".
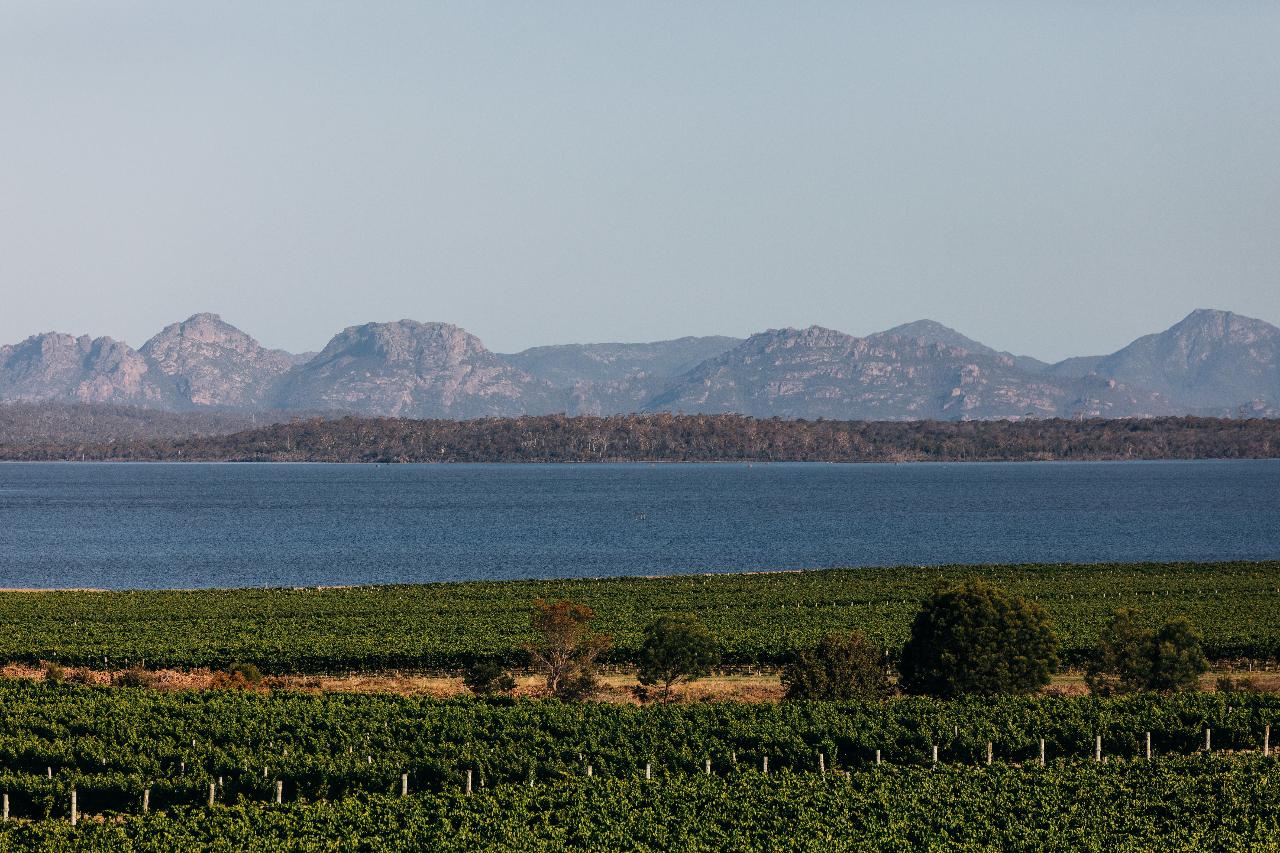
{"x": 1209, "y": 360}
{"x": 411, "y": 369}
{"x": 1212, "y": 362}
{"x": 817, "y": 372}
{"x": 567, "y": 364}
{"x": 212, "y": 363}
{"x": 615, "y": 378}
{"x": 933, "y": 332}
{"x": 63, "y": 368}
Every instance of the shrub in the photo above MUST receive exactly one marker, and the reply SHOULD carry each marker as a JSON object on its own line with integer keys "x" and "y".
{"x": 676, "y": 648}
{"x": 1131, "y": 658}
{"x": 54, "y": 672}
{"x": 976, "y": 639}
{"x": 488, "y": 678}
{"x": 1122, "y": 662}
{"x": 247, "y": 672}
{"x": 841, "y": 666}
{"x": 1243, "y": 684}
{"x": 134, "y": 676}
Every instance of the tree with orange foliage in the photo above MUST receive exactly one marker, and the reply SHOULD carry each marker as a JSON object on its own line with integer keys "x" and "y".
{"x": 567, "y": 649}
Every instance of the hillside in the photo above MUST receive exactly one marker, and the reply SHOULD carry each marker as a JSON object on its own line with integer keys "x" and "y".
{"x": 1212, "y": 363}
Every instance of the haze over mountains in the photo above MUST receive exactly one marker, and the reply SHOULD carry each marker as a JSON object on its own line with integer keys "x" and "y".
{"x": 1210, "y": 363}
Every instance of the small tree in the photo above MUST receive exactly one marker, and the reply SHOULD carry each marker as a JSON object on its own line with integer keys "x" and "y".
{"x": 567, "y": 648}
{"x": 1177, "y": 659}
{"x": 1122, "y": 663}
{"x": 976, "y": 639}
{"x": 488, "y": 678}
{"x": 841, "y": 666}
{"x": 1131, "y": 658}
{"x": 676, "y": 648}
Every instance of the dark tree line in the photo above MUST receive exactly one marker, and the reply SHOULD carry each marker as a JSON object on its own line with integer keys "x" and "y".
{"x": 687, "y": 438}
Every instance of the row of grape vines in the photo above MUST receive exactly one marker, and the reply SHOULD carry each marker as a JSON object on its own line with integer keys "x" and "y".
{"x": 1176, "y": 804}
{"x": 757, "y": 618}
{"x": 114, "y": 743}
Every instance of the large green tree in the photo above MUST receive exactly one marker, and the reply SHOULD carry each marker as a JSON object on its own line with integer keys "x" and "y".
{"x": 977, "y": 639}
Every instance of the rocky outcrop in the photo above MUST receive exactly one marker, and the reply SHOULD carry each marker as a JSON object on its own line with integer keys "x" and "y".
{"x": 212, "y": 363}
{"x": 411, "y": 369}
{"x": 617, "y": 378}
{"x": 817, "y": 372}
{"x": 63, "y": 368}
{"x": 1212, "y": 363}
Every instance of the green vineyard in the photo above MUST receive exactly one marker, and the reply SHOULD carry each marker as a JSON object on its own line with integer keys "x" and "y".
{"x": 384, "y": 773}
{"x": 757, "y": 618}
{"x": 1179, "y": 804}
{"x": 112, "y": 744}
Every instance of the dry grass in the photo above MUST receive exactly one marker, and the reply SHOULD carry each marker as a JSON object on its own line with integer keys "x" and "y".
{"x": 619, "y": 686}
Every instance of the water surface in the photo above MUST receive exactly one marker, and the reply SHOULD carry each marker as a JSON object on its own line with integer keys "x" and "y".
{"x": 136, "y": 525}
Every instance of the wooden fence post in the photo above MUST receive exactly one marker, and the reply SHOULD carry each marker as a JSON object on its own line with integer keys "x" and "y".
{"x": 764, "y": 765}
{"x": 1206, "y": 740}
{"x": 588, "y": 772}
{"x": 213, "y": 792}
{"x": 706, "y": 766}
{"x": 404, "y": 784}
{"x": 6, "y": 806}
{"x": 935, "y": 753}
{"x": 877, "y": 758}
{"x": 1266, "y": 741}
{"x": 1148, "y": 746}
{"x": 146, "y": 800}
{"x": 648, "y": 771}
{"x": 1097, "y": 748}
{"x": 1042, "y": 752}
{"x": 822, "y": 763}
{"x": 989, "y": 753}
{"x": 75, "y": 812}
{"x": 468, "y": 788}
{"x": 279, "y": 791}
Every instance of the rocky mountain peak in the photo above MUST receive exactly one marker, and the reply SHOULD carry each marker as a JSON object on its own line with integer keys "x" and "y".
{"x": 1209, "y": 361}
{"x": 212, "y": 363}
{"x": 411, "y": 369}
{"x": 406, "y": 342}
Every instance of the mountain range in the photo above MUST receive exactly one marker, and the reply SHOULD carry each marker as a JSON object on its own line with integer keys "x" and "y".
{"x": 1210, "y": 363}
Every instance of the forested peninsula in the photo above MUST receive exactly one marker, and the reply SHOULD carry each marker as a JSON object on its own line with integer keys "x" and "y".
{"x": 684, "y": 438}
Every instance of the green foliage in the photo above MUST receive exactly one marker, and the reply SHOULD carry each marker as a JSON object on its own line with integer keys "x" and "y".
{"x": 1177, "y": 660}
{"x": 1186, "y": 804}
{"x": 976, "y": 639}
{"x": 1123, "y": 660}
{"x": 676, "y": 648}
{"x": 1130, "y": 657}
{"x": 841, "y": 666}
{"x": 487, "y": 678}
{"x": 755, "y": 618}
{"x": 111, "y": 742}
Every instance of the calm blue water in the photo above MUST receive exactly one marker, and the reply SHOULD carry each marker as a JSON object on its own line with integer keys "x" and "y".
{"x": 157, "y": 525}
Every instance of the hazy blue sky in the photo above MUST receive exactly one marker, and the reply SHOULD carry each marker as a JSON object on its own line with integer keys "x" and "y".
{"x": 1050, "y": 178}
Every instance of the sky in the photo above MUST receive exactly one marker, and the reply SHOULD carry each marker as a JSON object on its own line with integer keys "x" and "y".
{"x": 1050, "y": 178}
